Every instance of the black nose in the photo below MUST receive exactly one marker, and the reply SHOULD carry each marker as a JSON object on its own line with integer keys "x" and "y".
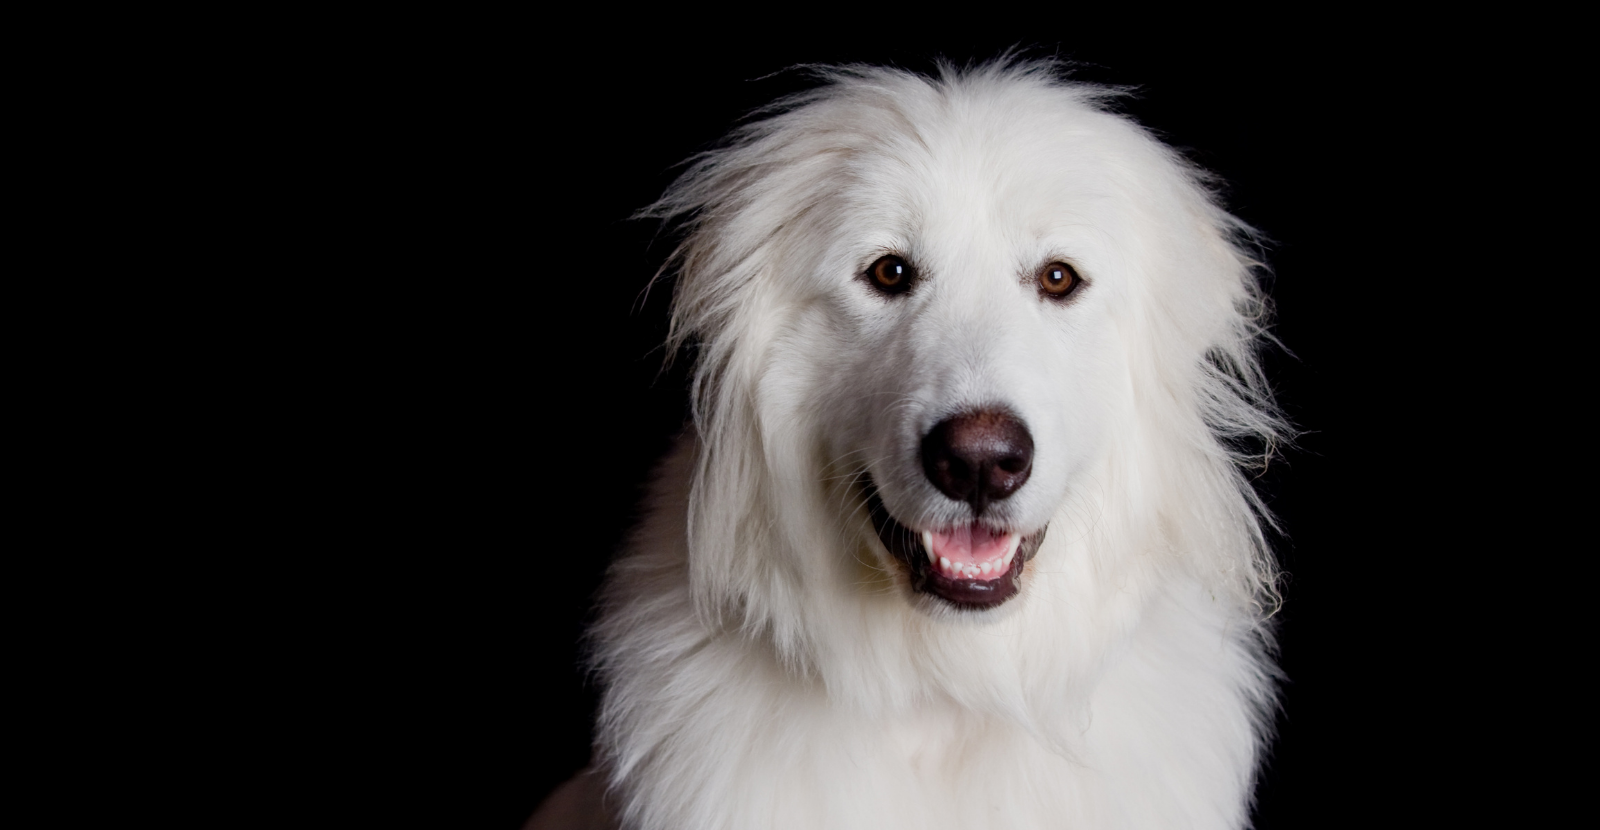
{"x": 978, "y": 458}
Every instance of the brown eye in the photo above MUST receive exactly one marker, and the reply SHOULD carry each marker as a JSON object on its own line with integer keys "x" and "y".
{"x": 890, "y": 274}
{"x": 1058, "y": 279}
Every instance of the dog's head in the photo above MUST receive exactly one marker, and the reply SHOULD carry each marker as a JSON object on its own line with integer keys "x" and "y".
{"x": 936, "y": 318}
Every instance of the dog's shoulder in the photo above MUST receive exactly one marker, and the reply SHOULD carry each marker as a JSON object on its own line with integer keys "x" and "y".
{"x": 578, "y": 804}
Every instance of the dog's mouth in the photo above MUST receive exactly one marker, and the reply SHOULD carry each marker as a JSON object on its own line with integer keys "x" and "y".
{"x": 970, "y": 566}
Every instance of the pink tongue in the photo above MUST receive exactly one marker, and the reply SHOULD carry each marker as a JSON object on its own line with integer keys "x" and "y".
{"x": 969, "y": 545}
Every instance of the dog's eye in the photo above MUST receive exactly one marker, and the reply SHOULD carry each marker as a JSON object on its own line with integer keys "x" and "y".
{"x": 1058, "y": 279}
{"x": 890, "y": 275}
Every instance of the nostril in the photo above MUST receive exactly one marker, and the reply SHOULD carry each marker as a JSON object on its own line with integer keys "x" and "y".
{"x": 1014, "y": 464}
{"x": 978, "y": 457}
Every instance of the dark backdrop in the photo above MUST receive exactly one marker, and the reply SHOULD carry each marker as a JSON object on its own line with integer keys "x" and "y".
{"x": 492, "y": 393}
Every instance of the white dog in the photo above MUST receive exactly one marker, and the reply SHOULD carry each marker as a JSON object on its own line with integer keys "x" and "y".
{"x": 959, "y": 538}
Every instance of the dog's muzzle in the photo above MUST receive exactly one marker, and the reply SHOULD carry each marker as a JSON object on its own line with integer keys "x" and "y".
{"x": 972, "y": 566}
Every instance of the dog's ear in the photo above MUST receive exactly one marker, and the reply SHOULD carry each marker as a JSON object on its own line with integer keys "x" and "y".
{"x": 1201, "y": 321}
{"x": 728, "y": 206}
{"x": 738, "y": 208}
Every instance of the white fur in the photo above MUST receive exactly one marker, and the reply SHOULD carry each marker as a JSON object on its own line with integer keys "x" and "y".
{"x": 765, "y": 661}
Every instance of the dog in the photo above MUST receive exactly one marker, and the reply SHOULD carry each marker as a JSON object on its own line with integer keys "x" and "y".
{"x": 961, "y": 534}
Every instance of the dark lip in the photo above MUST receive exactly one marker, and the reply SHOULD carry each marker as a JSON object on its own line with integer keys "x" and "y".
{"x": 975, "y": 594}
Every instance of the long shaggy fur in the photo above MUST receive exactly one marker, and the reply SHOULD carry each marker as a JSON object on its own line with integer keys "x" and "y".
{"x": 765, "y": 663}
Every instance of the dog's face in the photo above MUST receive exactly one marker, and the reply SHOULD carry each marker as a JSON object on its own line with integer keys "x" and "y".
{"x": 944, "y": 318}
{"x": 958, "y": 346}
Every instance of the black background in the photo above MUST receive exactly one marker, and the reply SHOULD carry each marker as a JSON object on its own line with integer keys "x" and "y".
{"x": 488, "y": 395}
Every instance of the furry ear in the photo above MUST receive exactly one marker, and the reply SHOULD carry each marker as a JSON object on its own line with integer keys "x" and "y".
{"x": 725, "y": 517}
{"x": 1203, "y": 307}
{"x": 1234, "y": 398}
{"x": 732, "y": 202}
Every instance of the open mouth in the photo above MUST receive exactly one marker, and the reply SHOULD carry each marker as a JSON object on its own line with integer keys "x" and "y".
{"x": 970, "y": 566}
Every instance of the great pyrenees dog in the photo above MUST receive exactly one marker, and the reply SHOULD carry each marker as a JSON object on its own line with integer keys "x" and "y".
{"x": 961, "y": 535}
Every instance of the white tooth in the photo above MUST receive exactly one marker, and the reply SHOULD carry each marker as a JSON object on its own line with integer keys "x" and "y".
{"x": 1011, "y": 547}
{"x": 927, "y": 543}
{"x": 944, "y": 565}
{"x": 986, "y": 567}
